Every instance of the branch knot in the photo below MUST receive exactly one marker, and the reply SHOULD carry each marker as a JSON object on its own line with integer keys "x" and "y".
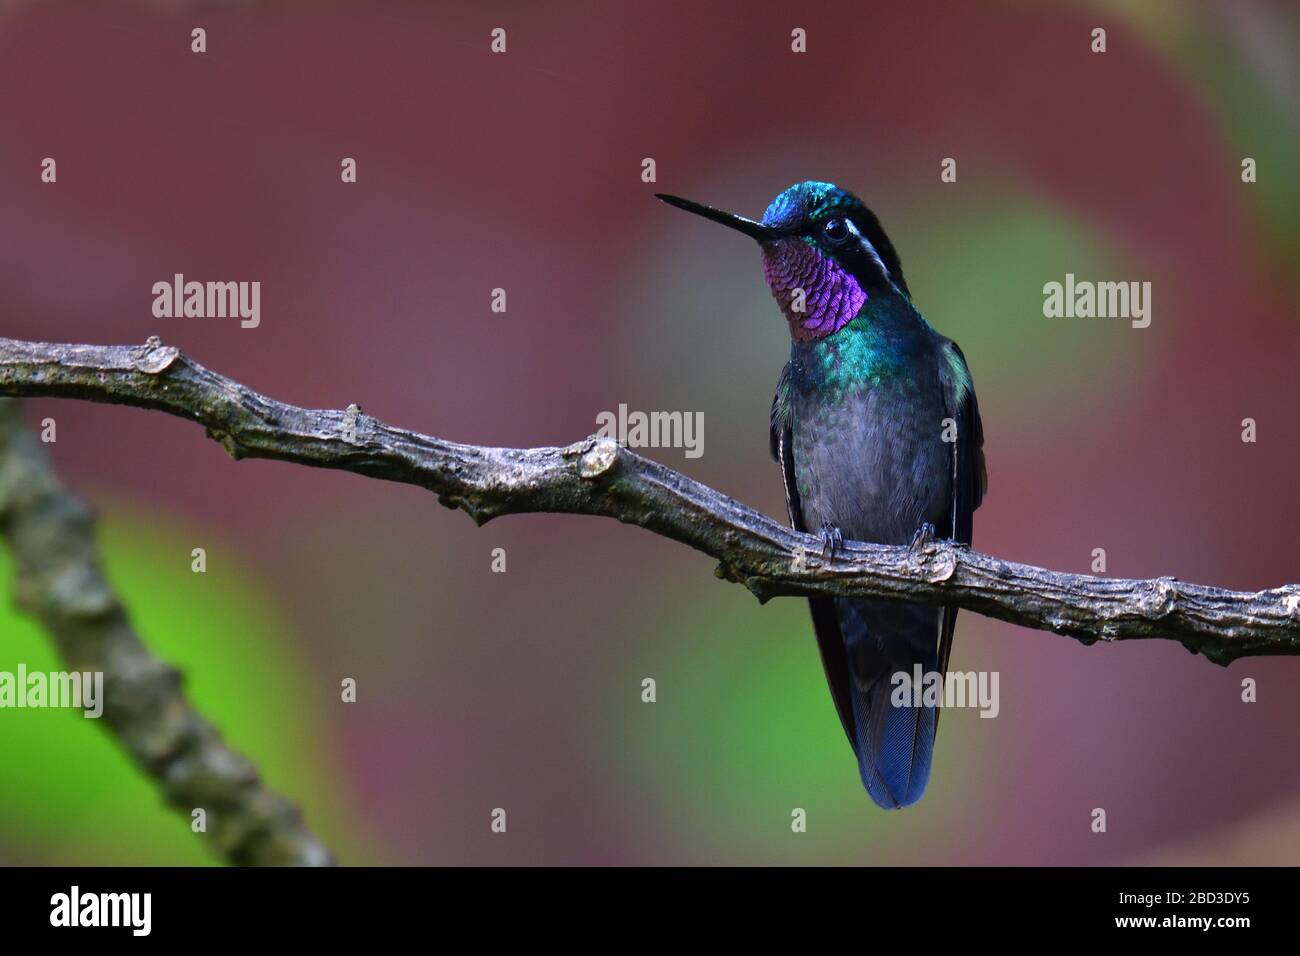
{"x": 940, "y": 565}
{"x": 1160, "y": 597}
{"x": 154, "y": 358}
{"x": 350, "y": 416}
{"x": 598, "y": 459}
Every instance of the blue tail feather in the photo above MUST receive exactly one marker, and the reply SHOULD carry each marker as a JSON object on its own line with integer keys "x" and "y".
{"x": 894, "y": 744}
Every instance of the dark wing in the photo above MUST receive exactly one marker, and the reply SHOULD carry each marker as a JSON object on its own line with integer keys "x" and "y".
{"x": 825, "y": 618}
{"x": 969, "y": 476}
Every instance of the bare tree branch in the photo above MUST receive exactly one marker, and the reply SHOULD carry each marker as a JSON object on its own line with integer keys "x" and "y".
{"x": 598, "y": 477}
{"x": 59, "y": 580}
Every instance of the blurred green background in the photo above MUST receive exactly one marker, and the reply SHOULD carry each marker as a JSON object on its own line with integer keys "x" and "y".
{"x": 522, "y": 690}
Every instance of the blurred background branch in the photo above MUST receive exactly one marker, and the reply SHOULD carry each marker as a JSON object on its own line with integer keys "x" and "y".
{"x": 59, "y": 580}
{"x": 598, "y": 477}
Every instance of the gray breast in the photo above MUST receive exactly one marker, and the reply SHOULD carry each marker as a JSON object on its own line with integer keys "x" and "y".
{"x": 874, "y": 464}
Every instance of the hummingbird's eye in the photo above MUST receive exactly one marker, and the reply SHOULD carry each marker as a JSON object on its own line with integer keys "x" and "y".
{"x": 835, "y": 230}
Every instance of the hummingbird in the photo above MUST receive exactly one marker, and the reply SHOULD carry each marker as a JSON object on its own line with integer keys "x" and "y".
{"x": 878, "y": 435}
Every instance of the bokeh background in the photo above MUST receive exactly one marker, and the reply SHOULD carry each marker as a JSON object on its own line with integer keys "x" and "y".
{"x": 522, "y": 690}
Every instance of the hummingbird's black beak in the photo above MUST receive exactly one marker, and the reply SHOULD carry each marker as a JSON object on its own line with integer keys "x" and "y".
{"x": 755, "y": 230}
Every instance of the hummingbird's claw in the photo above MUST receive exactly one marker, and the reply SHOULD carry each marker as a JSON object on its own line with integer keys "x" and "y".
{"x": 924, "y": 535}
{"x": 832, "y": 539}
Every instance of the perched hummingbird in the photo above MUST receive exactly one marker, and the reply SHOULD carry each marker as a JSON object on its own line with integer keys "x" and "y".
{"x": 878, "y": 436}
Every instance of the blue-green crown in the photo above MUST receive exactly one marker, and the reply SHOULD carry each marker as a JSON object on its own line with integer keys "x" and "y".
{"x": 806, "y": 201}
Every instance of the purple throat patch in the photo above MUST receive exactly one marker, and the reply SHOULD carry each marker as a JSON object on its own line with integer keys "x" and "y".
{"x": 831, "y": 296}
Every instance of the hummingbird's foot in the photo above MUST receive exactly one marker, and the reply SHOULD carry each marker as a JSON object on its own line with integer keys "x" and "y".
{"x": 924, "y": 535}
{"x": 832, "y": 539}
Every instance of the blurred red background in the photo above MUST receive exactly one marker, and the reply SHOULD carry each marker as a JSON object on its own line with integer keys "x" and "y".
{"x": 522, "y": 171}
